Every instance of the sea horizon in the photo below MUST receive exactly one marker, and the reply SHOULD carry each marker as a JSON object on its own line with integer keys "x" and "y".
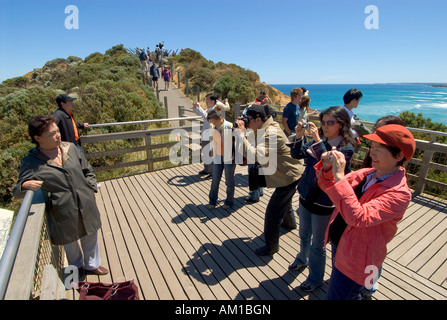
{"x": 381, "y": 99}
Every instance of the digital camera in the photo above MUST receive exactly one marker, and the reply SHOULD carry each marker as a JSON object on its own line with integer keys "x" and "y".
{"x": 244, "y": 119}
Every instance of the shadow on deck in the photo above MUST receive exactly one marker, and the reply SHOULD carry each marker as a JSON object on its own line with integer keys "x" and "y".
{"x": 158, "y": 230}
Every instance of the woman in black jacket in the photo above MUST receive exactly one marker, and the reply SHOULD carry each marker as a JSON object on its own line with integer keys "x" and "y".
{"x": 315, "y": 207}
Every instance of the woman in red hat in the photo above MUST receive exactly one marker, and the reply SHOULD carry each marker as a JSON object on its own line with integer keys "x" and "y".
{"x": 368, "y": 205}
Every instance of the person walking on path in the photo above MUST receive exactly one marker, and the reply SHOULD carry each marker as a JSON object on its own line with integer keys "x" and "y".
{"x": 155, "y": 74}
{"x": 166, "y": 74}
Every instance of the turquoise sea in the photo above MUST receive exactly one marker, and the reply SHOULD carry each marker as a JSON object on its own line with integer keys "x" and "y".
{"x": 379, "y": 99}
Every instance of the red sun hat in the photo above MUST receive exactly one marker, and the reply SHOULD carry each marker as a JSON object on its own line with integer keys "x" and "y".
{"x": 397, "y": 136}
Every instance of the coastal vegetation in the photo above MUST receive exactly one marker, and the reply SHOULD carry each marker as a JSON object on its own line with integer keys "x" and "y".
{"x": 237, "y": 84}
{"x": 110, "y": 88}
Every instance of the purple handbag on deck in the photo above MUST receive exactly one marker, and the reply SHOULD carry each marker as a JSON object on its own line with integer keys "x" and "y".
{"x": 126, "y": 290}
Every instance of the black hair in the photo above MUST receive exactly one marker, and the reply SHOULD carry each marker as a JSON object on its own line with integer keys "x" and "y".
{"x": 212, "y": 96}
{"x": 213, "y": 114}
{"x": 343, "y": 118}
{"x": 38, "y": 125}
{"x": 351, "y": 95}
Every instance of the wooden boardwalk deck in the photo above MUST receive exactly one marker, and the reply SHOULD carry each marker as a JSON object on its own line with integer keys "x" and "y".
{"x": 158, "y": 230}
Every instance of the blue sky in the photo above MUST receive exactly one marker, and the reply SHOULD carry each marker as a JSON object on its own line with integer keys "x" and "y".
{"x": 284, "y": 41}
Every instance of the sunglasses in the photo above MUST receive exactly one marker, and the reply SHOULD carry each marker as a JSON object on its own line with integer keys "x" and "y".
{"x": 329, "y": 123}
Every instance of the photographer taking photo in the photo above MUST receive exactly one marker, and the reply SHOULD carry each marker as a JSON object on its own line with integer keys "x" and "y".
{"x": 280, "y": 170}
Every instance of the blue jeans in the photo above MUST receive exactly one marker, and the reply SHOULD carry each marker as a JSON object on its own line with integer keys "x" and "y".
{"x": 206, "y": 167}
{"x": 312, "y": 249}
{"x": 218, "y": 168}
{"x": 342, "y": 287}
{"x": 255, "y": 194}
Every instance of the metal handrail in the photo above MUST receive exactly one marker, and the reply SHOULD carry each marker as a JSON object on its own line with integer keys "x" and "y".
{"x": 142, "y": 121}
{"x": 12, "y": 246}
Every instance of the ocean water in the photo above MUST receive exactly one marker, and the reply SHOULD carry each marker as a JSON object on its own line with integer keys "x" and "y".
{"x": 379, "y": 99}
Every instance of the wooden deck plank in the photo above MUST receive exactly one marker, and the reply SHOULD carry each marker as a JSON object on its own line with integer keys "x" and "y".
{"x": 258, "y": 220}
{"x": 111, "y": 249}
{"x": 424, "y": 250}
{"x": 209, "y": 246}
{"x": 436, "y": 263}
{"x": 143, "y": 253}
{"x": 236, "y": 246}
{"x": 129, "y": 250}
{"x": 174, "y": 242}
{"x": 157, "y": 229}
{"x": 418, "y": 282}
{"x": 421, "y": 238}
{"x": 163, "y": 242}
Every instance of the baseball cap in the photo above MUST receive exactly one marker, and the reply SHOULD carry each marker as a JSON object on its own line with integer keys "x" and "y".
{"x": 255, "y": 111}
{"x": 397, "y": 136}
{"x": 64, "y": 98}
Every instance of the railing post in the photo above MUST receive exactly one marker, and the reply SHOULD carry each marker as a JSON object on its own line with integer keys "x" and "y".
{"x": 423, "y": 171}
{"x": 186, "y": 86}
{"x": 148, "y": 145}
{"x": 237, "y": 111}
{"x": 181, "y": 113}
{"x": 166, "y": 106}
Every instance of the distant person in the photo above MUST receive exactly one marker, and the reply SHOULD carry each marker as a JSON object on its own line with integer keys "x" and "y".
{"x": 166, "y": 74}
{"x": 223, "y": 158}
{"x": 148, "y": 52}
{"x": 143, "y": 60}
{"x": 284, "y": 179}
{"x": 155, "y": 73}
{"x": 351, "y": 101}
{"x": 223, "y": 104}
{"x": 369, "y": 203}
{"x": 315, "y": 207}
{"x": 211, "y": 103}
{"x": 262, "y": 98}
{"x": 291, "y": 111}
{"x": 68, "y": 185}
{"x": 65, "y": 121}
{"x": 157, "y": 50}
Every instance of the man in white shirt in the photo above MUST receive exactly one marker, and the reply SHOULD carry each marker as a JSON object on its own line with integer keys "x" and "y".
{"x": 211, "y": 103}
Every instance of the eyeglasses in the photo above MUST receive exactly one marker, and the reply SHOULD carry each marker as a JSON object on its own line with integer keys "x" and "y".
{"x": 329, "y": 123}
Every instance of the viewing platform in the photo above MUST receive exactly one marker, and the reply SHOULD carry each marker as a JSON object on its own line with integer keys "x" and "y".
{"x": 158, "y": 230}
